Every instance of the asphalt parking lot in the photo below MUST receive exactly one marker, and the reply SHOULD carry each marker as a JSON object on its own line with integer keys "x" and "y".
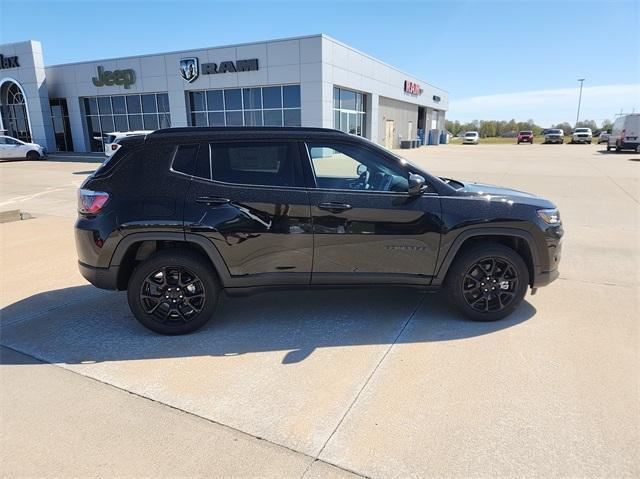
{"x": 333, "y": 383}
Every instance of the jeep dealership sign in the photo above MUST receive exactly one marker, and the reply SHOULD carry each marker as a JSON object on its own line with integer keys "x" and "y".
{"x": 126, "y": 78}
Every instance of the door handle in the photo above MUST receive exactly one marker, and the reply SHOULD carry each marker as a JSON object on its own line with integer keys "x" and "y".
{"x": 212, "y": 200}
{"x": 334, "y": 207}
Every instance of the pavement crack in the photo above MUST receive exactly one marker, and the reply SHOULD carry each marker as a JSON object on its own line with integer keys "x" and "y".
{"x": 368, "y": 380}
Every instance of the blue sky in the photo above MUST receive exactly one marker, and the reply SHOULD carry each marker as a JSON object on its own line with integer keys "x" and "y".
{"x": 498, "y": 60}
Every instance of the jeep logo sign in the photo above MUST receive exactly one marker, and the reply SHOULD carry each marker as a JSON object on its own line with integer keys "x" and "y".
{"x": 126, "y": 78}
{"x": 8, "y": 62}
{"x": 412, "y": 88}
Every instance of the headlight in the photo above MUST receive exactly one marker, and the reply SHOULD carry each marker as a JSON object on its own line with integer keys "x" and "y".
{"x": 550, "y": 216}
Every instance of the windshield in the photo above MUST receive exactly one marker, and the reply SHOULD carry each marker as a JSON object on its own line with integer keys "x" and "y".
{"x": 470, "y": 134}
{"x": 555, "y": 132}
{"x": 582, "y": 130}
{"x": 526, "y": 133}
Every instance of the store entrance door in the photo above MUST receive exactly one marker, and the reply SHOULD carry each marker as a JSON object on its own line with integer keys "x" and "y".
{"x": 388, "y": 134}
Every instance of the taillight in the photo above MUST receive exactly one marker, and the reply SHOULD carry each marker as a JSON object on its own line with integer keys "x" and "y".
{"x": 114, "y": 146}
{"x": 91, "y": 202}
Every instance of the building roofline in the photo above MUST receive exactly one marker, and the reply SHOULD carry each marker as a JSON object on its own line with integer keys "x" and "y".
{"x": 359, "y": 52}
{"x": 231, "y": 45}
{"x": 234, "y": 45}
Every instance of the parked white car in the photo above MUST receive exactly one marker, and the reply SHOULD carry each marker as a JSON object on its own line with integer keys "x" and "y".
{"x": 13, "y": 148}
{"x": 471, "y": 138}
{"x": 625, "y": 134}
{"x": 112, "y": 140}
{"x": 581, "y": 135}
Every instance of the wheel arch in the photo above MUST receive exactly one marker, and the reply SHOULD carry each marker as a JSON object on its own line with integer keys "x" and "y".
{"x": 521, "y": 241}
{"x": 137, "y": 247}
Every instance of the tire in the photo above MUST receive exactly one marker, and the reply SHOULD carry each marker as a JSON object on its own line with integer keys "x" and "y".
{"x": 562, "y": 142}
{"x": 33, "y": 155}
{"x": 608, "y": 148}
{"x": 618, "y": 148}
{"x": 179, "y": 273}
{"x": 509, "y": 268}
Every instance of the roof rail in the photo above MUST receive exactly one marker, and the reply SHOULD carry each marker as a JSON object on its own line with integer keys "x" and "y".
{"x": 212, "y": 129}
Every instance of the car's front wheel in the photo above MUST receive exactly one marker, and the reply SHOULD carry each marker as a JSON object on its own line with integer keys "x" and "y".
{"x": 33, "y": 155}
{"x": 487, "y": 282}
{"x": 174, "y": 291}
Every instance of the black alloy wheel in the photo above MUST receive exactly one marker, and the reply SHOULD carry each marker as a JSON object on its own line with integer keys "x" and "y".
{"x": 487, "y": 282}
{"x": 33, "y": 155}
{"x": 174, "y": 291}
{"x": 490, "y": 284}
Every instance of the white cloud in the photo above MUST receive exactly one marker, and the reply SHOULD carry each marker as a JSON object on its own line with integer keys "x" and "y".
{"x": 549, "y": 106}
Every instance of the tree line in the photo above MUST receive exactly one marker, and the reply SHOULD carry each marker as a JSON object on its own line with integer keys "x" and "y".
{"x": 489, "y": 128}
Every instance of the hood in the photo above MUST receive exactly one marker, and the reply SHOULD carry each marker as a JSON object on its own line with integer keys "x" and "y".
{"x": 497, "y": 193}
{"x": 33, "y": 145}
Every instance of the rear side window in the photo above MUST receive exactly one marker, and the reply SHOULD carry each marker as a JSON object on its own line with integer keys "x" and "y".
{"x": 184, "y": 159}
{"x": 256, "y": 163}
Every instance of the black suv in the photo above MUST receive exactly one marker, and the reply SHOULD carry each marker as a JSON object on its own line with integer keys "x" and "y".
{"x": 181, "y": 214}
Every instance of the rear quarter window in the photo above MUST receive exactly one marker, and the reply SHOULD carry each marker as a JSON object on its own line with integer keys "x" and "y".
{"x": 184, "y": 159}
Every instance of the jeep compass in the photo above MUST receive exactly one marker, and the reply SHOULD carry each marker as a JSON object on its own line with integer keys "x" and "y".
{"x": 180, "y": 215}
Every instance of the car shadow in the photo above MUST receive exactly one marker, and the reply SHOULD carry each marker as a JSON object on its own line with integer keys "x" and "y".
{"x": 85, "y": 325}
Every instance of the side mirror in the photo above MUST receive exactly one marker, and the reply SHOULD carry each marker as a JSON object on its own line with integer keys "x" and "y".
{"x": 416, "y": 184}
{"x": 361, "y": 169}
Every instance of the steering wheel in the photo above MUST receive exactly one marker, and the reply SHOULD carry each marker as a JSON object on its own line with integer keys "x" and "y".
{"x": 362, "y": 183}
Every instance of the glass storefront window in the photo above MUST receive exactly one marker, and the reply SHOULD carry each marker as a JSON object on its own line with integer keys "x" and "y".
{"x": 268, "y": 106}
{"x": 105, "y": 114}
{"x": 349, "y": 111}
{"x": 61, "y": 125}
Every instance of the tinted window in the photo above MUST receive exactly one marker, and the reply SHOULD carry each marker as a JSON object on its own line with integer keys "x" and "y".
{"x": 270, "y": 164}
{"x": 291, "y": 96}
{"x": 184, "y": 159}
{"x": 350, "y": 167}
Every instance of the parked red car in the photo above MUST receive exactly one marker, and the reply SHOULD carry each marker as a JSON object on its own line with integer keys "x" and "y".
{"x": 525, "y": 136}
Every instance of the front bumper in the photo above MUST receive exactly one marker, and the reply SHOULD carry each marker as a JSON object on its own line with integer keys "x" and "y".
{"x": 581, "y": 139}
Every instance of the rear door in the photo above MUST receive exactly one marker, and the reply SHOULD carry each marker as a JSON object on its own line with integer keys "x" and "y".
{"x": 366, "y": 226}
{"x": 249, "y": 199}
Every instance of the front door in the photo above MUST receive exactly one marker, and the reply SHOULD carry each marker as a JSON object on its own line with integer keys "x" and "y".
{"x": 366, "y": 226}
{"x": 388, "y": 134}
{"x": 249, "y": 199}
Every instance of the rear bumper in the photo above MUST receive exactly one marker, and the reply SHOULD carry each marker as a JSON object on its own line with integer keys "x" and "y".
{"x": 104, "y": 278}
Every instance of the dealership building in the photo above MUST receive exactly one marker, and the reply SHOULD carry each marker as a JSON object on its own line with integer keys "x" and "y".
{"x": 304, "y": 81}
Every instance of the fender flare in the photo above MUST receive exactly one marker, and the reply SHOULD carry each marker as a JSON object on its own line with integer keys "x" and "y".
{"x": 451, "y": 254}
{"x": 207, "y": 246}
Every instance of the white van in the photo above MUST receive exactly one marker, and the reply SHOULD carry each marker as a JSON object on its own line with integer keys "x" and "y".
{"x": 112, "y": 140}
{"x": 625, "y": 134}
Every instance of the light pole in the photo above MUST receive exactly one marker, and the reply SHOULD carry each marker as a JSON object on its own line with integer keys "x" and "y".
{"x": 581, "y": 80}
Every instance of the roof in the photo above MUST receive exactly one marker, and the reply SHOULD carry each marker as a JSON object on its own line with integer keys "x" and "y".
{"x": 276, "y": 131}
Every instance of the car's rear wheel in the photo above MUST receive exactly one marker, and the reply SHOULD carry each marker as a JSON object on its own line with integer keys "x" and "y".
{"x": 33, "y": 155}
{"x": 487, "y": 282}
{"x": 173, "y": 292}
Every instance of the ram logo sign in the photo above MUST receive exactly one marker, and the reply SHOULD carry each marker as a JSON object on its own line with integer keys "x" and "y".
{"x": 412, "y": 88}
{"x": 189, "y": 69}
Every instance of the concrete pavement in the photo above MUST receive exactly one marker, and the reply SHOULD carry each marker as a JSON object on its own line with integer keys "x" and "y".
{"x": 381, "y": 383}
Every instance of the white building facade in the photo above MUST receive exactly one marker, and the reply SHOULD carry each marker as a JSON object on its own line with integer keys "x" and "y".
{"x": 305, "y": 81}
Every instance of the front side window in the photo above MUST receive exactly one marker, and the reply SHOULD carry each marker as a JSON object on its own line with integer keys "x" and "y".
{"x": 256, "y": 164}
{"x": 351, "y": 167}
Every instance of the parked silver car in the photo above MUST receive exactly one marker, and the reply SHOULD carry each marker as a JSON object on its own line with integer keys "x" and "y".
{"x": 554, "y": 135}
